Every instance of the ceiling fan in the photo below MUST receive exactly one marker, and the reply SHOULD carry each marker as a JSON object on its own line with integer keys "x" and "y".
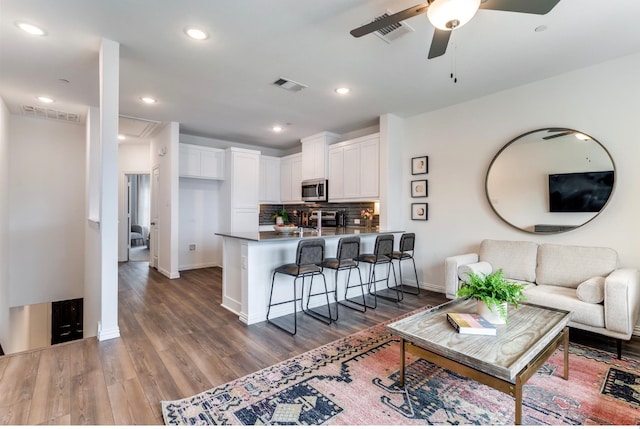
{"x": 447, "y": 15}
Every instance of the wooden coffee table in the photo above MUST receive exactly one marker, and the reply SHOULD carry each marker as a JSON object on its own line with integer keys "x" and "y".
{"x": 504, "y": 361}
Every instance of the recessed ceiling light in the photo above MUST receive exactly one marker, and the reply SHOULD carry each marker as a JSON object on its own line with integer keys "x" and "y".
{"x": 121, "y": 137}
{"x": 276, "y": 128}
{"x": 148, "y": 100}
{"x": 31, "y": 29}
{"x": 196, "y": 33}
{"x": 343, "y": 90}
{"x": 45, "y": 99}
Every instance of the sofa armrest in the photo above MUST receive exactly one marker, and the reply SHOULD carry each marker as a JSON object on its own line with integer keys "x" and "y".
{"x": 451, "y": 265}
{"x": 622, "y": 300}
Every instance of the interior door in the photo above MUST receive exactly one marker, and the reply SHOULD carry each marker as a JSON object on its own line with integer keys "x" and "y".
{"x": 155, "y": 225}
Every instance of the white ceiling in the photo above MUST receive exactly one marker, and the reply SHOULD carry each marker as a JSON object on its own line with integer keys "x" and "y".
{"x": 221, "y": 87}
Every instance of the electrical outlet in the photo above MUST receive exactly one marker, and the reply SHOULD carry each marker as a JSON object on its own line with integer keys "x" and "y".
{"x": 356, "y": 221}
{"x": 192, "y": 247}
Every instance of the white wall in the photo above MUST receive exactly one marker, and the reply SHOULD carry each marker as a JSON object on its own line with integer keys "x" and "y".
{"x": 132, "y": 159}
{"x": 199, "y": 221}
{"x": 46, "y": 210}
{"x": 4, "y": 224}
{"x": 461, "y": 141}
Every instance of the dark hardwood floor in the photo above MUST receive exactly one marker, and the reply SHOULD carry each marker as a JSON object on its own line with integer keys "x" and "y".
{"x": 176, "y": 341}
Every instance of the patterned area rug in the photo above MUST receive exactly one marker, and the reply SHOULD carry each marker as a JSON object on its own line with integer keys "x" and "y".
{"x": 354, "y": 381}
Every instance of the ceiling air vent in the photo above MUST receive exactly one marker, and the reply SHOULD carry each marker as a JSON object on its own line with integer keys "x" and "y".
{"x": 392, "y": 32}
{"x": 289, "y": 84}
{"x": 43, "y": 112}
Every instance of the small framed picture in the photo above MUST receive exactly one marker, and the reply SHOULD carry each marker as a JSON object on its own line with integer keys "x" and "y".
{"x": 419, "y": 211}
{"x": 418, "y": 188}
{"x": 420, "y": 165}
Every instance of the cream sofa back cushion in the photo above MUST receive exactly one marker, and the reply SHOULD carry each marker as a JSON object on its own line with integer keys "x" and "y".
{"x": 516, "y": 258}
{"x": 568, "y": 266}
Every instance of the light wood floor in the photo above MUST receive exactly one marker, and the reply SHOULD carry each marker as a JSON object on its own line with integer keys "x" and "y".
{"x": 176, "y": 341}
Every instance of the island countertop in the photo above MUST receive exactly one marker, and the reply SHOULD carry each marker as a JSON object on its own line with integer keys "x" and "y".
{"x": 306, "y": 233}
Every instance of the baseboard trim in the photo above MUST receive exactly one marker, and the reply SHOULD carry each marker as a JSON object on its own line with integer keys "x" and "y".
{"x": 197, "y": 266}
{"x": 169, "y": 274}
{"x": 108, "y": 334}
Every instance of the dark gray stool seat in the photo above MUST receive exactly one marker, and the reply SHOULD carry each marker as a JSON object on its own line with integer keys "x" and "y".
{"x": 405, "y": 252}
{"x": 309, "y": 257}
{"x": 383, "y": 246}
{"x": 348, "y": 250}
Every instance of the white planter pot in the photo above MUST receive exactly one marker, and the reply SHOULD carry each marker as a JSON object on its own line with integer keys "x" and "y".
{"x": 491, "y": 314}
{"x": 279, "y": 220}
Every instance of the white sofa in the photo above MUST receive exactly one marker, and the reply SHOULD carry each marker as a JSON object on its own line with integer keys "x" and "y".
{"x": 584, "y": 280}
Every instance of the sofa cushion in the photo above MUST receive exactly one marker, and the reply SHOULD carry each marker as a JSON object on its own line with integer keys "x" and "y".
{"x": 568, "y": 266}
{"x": 591, "y": 290}
{"x": 479, "y": 268}
{"x": 517, "y": 259}
{"x": 565, "y": 298}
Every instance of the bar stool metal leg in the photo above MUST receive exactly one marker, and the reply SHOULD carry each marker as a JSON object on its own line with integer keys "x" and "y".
{"x": 310, "y": 311}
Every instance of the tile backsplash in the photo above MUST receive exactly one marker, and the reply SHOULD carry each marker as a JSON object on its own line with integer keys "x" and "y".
{"x": 351, "y": 210}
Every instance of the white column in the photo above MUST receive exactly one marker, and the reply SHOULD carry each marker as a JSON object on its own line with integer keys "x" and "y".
{"x": 109, "y": 97}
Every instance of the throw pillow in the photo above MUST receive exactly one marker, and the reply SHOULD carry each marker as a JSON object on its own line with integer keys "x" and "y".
{"x": 476, "y": 268}
{"x": 591, "y": 290}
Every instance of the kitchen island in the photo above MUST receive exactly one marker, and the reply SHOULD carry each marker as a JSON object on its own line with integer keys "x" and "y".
{"x": 250, "y": 258}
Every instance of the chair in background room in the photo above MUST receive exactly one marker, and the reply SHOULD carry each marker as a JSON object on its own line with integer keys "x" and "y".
{"x": 348, "y": 250}
{"x": 137, "y": 238}
{"x": 404, "y": 253}
{"x": 309, "y": 257}
{"x": 383, "y": 246}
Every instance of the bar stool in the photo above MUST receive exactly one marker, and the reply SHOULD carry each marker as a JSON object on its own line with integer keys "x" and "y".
{"x": 309, "y": 257}
{"x": 405, "y": 252}
{"x": 348, "y": 250}
{"x": 383, "y": 246}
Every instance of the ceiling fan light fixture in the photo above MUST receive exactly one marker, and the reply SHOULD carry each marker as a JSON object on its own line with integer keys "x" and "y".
{"x": 450, "y": 14}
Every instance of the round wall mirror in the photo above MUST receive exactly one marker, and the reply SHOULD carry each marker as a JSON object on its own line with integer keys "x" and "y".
{"x": 550, "y": 180}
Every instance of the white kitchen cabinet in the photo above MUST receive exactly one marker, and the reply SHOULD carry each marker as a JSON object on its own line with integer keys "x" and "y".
{"x": 291, "y": 178}
{"x": 314, "y": 155}
{"x": 336, "y": 172}
{"x": 354, "y": 169}
{"x": 240, "y": 205}
{"x": 370, "y": 168}
{"x": 201, "y": 162}
{"x": 269, "y": 179}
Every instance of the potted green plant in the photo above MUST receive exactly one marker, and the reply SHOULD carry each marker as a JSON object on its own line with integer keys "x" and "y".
{"x": 281, "y": 217}
{"x": 493, "y": 293}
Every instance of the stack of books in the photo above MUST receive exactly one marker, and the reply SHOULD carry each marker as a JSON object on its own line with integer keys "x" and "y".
{"x": 470, "y": 323}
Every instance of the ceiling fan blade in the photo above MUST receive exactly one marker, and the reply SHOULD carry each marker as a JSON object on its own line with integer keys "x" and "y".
{"x": 390, "y": 20}
{"x": 439, "y": 43}
{"x": 538, "y": 7}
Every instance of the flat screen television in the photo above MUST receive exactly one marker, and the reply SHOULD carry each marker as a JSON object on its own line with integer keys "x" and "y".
{"x": 579, "y": 192}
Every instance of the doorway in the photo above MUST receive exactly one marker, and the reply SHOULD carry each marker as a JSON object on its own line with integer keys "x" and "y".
{"x": 138, "y": 216}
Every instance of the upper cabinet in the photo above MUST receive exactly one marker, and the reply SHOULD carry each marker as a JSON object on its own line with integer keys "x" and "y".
{"x": 314, "y": 155}
{"x": 291, "y": 178}
{"x": 201, "y": 162}
{"x": 240, "y": 207}
{"x": 269, "y": 179}
{"x": 354, "y": 169}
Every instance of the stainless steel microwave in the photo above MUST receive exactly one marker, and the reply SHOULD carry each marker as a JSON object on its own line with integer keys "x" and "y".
{"x": 314, "y": 190}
